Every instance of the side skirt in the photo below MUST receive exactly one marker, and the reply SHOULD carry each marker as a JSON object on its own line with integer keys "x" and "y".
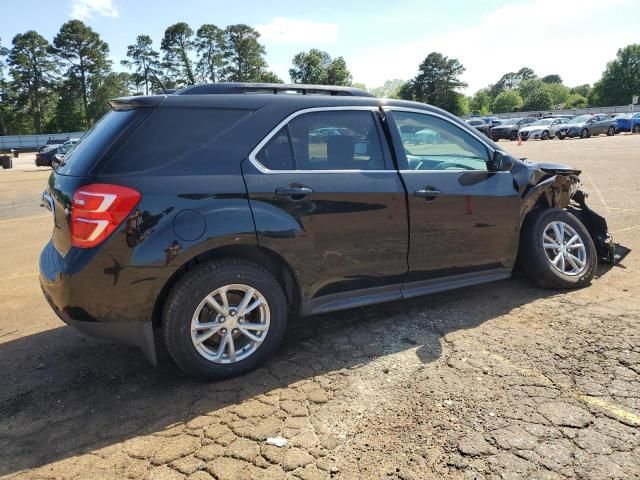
{"x": 370, "y": 296}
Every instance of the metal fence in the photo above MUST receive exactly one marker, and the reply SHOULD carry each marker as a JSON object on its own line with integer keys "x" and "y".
{"x": 571, "y": 111}
{"x": 32, "y": 142}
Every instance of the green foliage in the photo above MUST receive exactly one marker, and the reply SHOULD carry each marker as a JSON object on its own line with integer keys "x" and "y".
{"x": 559, "y": 93}
{"x": 620, "y": 80}
{"x": 269, "y": 77}
{"x": 244, "y": 53}
{"x": 436, "y": 83}
{"x": 584, "y": 90}
{"x": 508, "y": 101}
{"x": 177, "y": 45}
{"x": 511, "y": 80}
{"x": 86, "y": 57}
{"x": 359, "y": 85}
{"x": 481, "y": 102}
{"x": 390, "y": 89}
{"x": 575, "y": 100}
{"x": 211, "y": 48}
{"x": 535, "y": 94}
{"x": 553, "y": 78}
{"x": 32, "y": 67}
{"x": 316, "y": 67}
{"x": 144, "y": 60}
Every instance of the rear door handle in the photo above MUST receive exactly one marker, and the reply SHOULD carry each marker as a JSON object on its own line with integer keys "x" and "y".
{"x": 428, "y": 193}
{"x": 293, "y": 191}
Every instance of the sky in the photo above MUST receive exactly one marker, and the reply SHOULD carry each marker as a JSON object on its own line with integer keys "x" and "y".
{"x": 379, "y": 39}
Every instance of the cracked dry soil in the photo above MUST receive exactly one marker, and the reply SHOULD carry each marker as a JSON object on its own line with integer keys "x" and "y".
{"x": 501, "y": 381}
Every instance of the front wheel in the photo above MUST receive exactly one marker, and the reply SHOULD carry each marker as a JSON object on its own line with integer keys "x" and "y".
{"x": 636, "y": 129}
{"x": 585, "y": 133}
{"x": 224, "y": 318}
{"x": 545, "y": 135}
{"x": 556, "y": 250}
{"x": 611, "y": 132}
{"x": 561, "y": 137}
{"x": 513, "y": 136}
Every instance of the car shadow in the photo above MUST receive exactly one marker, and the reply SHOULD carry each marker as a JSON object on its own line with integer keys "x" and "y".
{"x": 64, "y": 394}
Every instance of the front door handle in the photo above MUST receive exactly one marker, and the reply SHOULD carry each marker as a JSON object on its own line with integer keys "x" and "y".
{"x": 429, "y": 193}
{"x": 293, "y": 191}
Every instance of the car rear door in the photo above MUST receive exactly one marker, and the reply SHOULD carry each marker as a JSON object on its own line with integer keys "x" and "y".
{"x": 326, "y": 197}
{"x": 464, "y": 219}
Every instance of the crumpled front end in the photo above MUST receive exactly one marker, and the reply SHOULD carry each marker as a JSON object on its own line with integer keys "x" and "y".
{"x": 596, "y": 225}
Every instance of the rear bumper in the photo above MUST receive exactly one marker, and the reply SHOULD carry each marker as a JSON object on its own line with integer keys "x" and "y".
{"x": 94, "y": 308}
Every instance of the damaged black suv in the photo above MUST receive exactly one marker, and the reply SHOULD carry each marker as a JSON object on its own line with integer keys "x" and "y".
{"x": 204, "y": 219}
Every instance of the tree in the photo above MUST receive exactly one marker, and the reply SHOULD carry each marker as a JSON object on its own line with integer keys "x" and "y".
{"x": 390, "y": 89}
{"x": 244, "y": 53}
{"x": 553, "y": 78}
{"x": 481, "y": 102}
{"x": 559, "y": 93}
{"x": 5, "y": 111}
{"x": 508, "y": 101}
{"x": 144, "y": 60}
{"x": 436, "y": 83}
{"x": 210, "y": 46}
{"x": 317, "y": 67}
{"x": 177, "y": 46}
{"x": 269, "y": 77}
{"x": 621, "y": 79}
{"x": 575, "y": 100}
{"x": 511, "y": 80}
{"x": 112, "y": 85}
{"x": 583, "y": 90}
{"x": 32, "y": 68}
{"x": 86, "y": 55}
{"x": 535, "y": 95}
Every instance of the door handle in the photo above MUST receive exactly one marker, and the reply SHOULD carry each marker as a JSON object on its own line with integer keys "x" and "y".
{"x": 293, "y": 191}
{"x": 428, "y": 193}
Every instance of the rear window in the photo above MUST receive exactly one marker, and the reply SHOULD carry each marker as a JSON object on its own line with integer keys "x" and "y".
{"x": 80, "y": 159}
{"x": 193, "y": 138}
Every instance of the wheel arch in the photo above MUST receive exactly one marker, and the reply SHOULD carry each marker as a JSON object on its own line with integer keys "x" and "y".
{"x": 264, "y": 257}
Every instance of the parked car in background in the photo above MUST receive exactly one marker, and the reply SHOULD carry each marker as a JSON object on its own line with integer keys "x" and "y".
{"x": 542, "y": 129}
{"x": 45, "y": 158}
{"x": 481, "y": 125}
{"x": 204, "y": 219}
{"x": 51, "y": 143}
{"x": 628, "y": 122}
{"x": 510, "y": 127}
{"x": 584, "y": 126}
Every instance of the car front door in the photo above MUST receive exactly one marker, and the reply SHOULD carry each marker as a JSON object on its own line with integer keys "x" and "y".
{"x": 464, "y": 219}
{"x": 326, "y": 197}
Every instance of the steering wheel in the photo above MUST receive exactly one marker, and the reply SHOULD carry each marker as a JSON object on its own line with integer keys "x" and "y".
{"x": 447, "y": 165}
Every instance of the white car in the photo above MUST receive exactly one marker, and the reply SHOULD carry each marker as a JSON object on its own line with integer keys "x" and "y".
{"x": 542, "y": 129}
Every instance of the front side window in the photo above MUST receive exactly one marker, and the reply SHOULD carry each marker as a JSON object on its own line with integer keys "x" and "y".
{"x": 431, "y": 143}
{"x": 336, "y": 140}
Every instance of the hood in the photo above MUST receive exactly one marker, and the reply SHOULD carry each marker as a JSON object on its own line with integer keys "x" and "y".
{"x": 533, "y": 128}
{"x": 531, "y": 173}
{"x": 505, "y": 125}
{"x": 574, "y": 125}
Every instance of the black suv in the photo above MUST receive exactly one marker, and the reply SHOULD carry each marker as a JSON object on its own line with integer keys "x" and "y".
{"x": 207, "y": 217}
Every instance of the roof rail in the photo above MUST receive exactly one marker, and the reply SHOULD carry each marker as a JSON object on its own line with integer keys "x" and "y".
{"x": 240, "y": 87}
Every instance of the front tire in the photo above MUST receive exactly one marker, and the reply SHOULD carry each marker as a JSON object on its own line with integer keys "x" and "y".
{"x": 611, "y": 132}
{"x": 585, "y": 133}
{"x": 556, "y": 250}
{"x": 561, "y": 137}
{"x": 636, "y": 129}
{"x": 513, "y": 136}
{"x": 224, "y": 318}
{"x": 545, "y": 135}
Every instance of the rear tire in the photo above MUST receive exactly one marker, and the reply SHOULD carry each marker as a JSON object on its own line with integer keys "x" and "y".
{"x": 611, "y": 132}
{"x": 577, "y": 260}
{"x": 513, "y": 136}
{"x": 189, "y": 315}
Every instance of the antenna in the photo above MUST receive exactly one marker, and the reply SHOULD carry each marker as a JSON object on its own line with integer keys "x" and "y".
{"x": 150, "y": 70}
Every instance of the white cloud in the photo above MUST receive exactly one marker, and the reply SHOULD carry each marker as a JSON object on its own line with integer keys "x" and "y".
{"x": 549, "y": 36}
{"x": 84, "y": 9}
{"x": 292, "y": 30}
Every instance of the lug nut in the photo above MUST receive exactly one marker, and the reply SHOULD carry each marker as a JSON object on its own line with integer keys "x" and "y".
{"x": 233, "y": 313}
{"x": 241, "y": 320}
{"x": 223, "y": 331}
{"x": 221, "y": 320}
{"x": 234, "y": 331}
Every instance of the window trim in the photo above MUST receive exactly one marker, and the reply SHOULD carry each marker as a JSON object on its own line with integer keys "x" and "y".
{"x": 470, "y": 130}
{"x": 285, "y": 122}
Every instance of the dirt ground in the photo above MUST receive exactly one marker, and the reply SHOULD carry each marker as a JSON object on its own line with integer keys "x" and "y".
{"x": 497, "y": 381}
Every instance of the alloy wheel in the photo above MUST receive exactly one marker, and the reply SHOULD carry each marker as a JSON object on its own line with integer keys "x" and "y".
{"x": 564, "y": 248}
{"x": 230, "y": 323}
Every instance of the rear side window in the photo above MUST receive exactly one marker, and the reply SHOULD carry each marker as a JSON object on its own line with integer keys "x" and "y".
{"x": 277, "y": 154}
{"x": 185, "y": 136}
{"x": 82, "y": 157}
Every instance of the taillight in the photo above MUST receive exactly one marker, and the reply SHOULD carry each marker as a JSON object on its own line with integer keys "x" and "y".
{"x": 97, "y": 210}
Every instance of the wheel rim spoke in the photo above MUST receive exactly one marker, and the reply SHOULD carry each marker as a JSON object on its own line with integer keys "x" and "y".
{"x": 221, "y": 309}
{"x": 211, "y": 329}
{"x": 250, "y": 335}
{"x": 569, "y": 257}
{"x": 245, "y": 301}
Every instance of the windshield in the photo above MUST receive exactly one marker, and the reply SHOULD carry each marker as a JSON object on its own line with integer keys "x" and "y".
{"x": 511, "y": 121}
{"x": 580, "y": 119}
{"x": 546, "y": 121}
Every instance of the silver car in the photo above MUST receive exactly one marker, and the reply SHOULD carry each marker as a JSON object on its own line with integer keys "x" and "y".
{"x": 542, "y": 129}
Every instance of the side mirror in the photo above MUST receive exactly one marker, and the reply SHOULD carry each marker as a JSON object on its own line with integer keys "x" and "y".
{"x": 501, "y": 162}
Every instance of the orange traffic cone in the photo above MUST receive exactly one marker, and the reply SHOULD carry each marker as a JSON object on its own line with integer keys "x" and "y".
{"x": 519, "y": 140}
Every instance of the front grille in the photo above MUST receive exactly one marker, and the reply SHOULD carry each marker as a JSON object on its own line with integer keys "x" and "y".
{"x": 524, "y": 134}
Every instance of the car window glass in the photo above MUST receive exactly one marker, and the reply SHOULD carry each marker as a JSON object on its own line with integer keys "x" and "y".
{"x": 277, "y": 153}
{"x": 431, "y": 143}
{"x": 336, "y": 140}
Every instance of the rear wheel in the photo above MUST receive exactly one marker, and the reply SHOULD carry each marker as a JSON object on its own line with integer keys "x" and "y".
{"x": 611, "y": 132}
{"x": 513, "y": 136}
{"x": 556, "y": 250}
{"x": 224, "y": 318}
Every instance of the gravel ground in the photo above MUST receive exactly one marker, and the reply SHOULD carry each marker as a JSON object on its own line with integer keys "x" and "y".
{"x": 497, "y": 381}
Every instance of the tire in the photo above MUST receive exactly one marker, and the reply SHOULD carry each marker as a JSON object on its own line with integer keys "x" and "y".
{"x": 584, "y": 133}
{"x": 545, "y": 135}
{"x": 535, "y": 260}
{"x": 513, "y": 136}
{"x": 495, "y": 139}
{"x": 636, "y": 129}
{"x": 561, "y": 137}
{"x": 611, "y": 132}
{"x": 189, "y": 296}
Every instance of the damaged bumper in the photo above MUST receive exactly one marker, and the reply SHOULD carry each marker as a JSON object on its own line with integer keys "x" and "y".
{"x": 596, "y": 226}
